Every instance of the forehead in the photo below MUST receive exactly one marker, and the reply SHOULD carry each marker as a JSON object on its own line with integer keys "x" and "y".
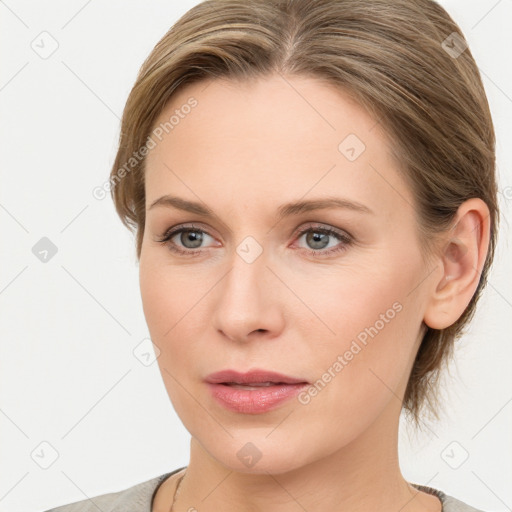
{"x": 271, "y": 135}
{"x": 295, "y": 108}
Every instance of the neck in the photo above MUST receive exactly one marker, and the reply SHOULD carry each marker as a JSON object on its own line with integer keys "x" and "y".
{"x": 363, "y": 475}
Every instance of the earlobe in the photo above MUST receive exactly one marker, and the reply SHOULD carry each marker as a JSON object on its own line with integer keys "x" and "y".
{"x": 461, "y": 259}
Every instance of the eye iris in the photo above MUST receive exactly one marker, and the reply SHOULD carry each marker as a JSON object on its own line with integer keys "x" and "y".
{"x": 313, "y": 236}
{"x": 191, "y": 236}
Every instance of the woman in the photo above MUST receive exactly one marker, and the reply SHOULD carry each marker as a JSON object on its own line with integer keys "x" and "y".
{"x": 313, "y": 191}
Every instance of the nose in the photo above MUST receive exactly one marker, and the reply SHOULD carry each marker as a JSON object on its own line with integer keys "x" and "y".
{"x": 249, "y": 301}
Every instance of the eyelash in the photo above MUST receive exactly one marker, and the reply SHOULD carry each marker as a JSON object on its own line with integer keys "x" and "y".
{"x": 342, "y": 237}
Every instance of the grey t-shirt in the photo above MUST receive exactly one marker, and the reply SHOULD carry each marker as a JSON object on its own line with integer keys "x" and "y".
{"x": 139, "y": 498}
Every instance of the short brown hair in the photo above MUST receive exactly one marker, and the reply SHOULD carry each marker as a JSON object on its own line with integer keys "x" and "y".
{"x": 406, "y": 62}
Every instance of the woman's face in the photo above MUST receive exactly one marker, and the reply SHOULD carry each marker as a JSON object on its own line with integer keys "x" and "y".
{"x": 342, "y": 311}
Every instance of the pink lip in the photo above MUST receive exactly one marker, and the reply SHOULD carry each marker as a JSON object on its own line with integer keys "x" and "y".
{"x": 253, "y": 401}
{"x": 255, "y": 375}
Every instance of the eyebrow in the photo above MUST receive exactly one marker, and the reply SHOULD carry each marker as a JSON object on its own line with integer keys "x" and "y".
{"x": 285, "y": 210}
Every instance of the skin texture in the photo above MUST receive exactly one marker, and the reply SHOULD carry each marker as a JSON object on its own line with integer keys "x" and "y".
{"x": 243, "y": 151}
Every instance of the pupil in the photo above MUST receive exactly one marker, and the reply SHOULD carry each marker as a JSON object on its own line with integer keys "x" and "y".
{"x": 191, "y": 236}
{"x": 316, "y": 238}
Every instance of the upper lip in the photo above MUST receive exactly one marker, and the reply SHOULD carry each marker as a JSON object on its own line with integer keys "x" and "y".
{"x": 252, "y": 376}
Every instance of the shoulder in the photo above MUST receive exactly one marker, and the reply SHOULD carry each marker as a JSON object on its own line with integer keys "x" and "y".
{"x": 137, "y": 497}
{"x": 450, "y": 504}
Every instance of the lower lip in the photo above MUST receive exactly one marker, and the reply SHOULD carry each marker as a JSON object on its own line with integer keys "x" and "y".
{"x": 254, "y": 401}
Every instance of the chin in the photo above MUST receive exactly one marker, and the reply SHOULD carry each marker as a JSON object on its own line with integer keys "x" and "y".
{"x": 257, "y": 453}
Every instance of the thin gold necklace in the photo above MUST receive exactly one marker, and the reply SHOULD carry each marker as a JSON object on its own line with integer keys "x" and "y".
{"x": 176, "y": 491}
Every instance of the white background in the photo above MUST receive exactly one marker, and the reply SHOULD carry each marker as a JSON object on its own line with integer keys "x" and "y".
{"x": 69, "y": 326}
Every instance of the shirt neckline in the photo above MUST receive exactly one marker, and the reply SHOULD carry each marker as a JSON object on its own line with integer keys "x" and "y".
{"x": 430, "y": 490}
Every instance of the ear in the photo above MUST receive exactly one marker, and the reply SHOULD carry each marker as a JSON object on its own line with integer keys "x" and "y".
{"x": 464, "y": 249}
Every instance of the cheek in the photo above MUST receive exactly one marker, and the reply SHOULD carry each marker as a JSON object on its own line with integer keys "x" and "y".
{"x": 168, "y": 296}
{"x": 169, "y": 307}
{"x": 177, "y": 309}
{"x": 364, "y": 362}
{"x": 355, "y": 302}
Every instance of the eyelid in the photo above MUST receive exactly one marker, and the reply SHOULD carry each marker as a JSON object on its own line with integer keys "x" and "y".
{"x": 320, "y": 226}
{"x": 177, "y": 229}
{"x": 192, "y": 226}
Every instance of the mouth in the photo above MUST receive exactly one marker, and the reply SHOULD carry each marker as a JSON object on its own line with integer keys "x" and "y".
{"x": 253, "y": 378}
{"x": 253, "y": 392}
{"x": 252, "y": 385}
